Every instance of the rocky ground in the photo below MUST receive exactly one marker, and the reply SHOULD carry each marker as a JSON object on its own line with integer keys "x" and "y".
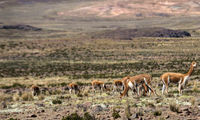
{"x": 101, "y": 105}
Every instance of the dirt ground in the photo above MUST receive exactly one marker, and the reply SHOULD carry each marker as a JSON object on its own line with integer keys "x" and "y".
{"x": 102, "y": 105}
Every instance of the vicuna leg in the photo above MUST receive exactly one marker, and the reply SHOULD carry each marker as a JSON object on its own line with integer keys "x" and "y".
{"x": 145, "y": 89}
{"x": 167, "y": 88}
{"x": 138, "y": 90}
{"x": 114, "y": 88}
{"x": 179, "y": 89}
{"x": 125, "y": 92}
{"x": 163, "y": 88}
{"x": 93, "y": 89}
{"x": 70, "y": 90}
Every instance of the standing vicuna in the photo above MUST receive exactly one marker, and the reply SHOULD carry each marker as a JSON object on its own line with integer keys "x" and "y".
{"x": 137, "y": 82}
{"x": 179, "y": 78}
{"x": 35, "y": 90}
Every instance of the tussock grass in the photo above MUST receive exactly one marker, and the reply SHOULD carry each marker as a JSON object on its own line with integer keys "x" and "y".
{"x": 16, "y": 97}
{"x": 195, "y": 88}
{"x": 27, "y": 96}
{"x": 174, "y": 107}
{"x": 41, "y": 97}
{"x": 157, "y": 113}
{"x": 5, "y": 97}
{"x": 56, "y": 101}
{"x": 115, "y": 114}
{"x": 193, "y": 101}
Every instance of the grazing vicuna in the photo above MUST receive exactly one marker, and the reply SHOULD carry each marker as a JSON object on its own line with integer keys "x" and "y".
{"x": 35, "y": 90}
{"x": 100, "y": 84}
{"x": 73, "y": 86}
{"x": 179, "y": 78}
{"x": 119, "y": 84}
{"x": 137, "y": 82}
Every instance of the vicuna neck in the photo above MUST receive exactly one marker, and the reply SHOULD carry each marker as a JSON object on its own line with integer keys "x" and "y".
{"x": 190, "y": 71}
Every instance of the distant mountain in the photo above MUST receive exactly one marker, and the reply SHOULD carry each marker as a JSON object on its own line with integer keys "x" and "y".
{"x": 136, "y": 8}
{"x": 116, "y": 8}
{"x": 91, "y": 14}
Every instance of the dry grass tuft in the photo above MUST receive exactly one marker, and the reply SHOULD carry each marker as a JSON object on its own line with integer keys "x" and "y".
{"x": 27, "y": 96}
{"x": 195, "y": 88}
{"x": 157, "y": 113}
{"x": 193, "y": 101}
{"x": 5, "y": 97}
{"x": 174, "y": 107}
{"x": 41, "y": 97}
{"x": 16, "y": 97}
{"x": 127, "y": 110}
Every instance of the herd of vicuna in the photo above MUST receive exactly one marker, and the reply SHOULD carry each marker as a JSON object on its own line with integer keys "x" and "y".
{"x": 136, "y": 83}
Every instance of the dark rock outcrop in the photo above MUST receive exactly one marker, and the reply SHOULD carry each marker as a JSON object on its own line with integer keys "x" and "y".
{"x": 20, "y": 27}
{"x": 128, "y": 34}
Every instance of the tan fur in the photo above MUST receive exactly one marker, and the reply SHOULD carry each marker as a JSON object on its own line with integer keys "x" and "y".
{"x": 139, "y": 81}
{"x": 97, "y": 83}
{"x": 117, "y": 84}
{"x": 176, "y": 78}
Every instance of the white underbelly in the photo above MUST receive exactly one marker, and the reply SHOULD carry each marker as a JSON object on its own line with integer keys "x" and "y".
{"x": 130, "y": 84}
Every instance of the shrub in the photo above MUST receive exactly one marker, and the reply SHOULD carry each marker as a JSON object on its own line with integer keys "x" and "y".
{"x": 140, "y": 112}
{"x": 56, "y": 101}
{"x": 16, "y": 97}
{"x": 41, "y": 97}
{"x": 13, "y": 119}
{"x": 79, "y": 95}
{"x": 73, "y": 116}
{"x": 55, "y": 92}
{"x": 193, "y": 101}
{"x": 5, "y": 97}
{"x": 127, "y": 111}
{"x": 115, "y": 114}
{"x": 26, "y": 96}
{"x": 150, "y": 104}
{"x": 195, "y": 88}
{"x": 157, "y": 113}
{"x": 87, "y": 116}
{"x": 174, "y": 107}
{"x": 63, "y": 84}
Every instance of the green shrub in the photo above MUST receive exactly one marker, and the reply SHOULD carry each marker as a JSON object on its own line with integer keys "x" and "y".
{"x": 87, "y": 116}
{"x": 75, "y": 116}
{"x": 56, "y": 101}
{"x": 13, "y": 119}
{"x": 115, "y": 114}
{"x": 157, "y": 113}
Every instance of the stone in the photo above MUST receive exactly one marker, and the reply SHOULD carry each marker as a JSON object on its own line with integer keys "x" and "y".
{"x": 34, "y": 115}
